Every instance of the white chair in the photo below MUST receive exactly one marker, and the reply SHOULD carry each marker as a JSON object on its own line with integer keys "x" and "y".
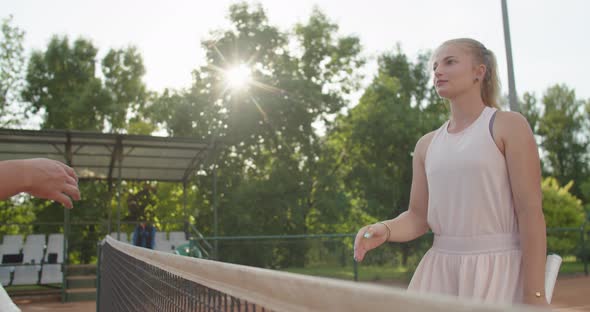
{"x": 28, "y": 274}
{"x": 12, "y": 245}
{"x": 162, "y": 243}
{"x": 164, "y": 246}
{"x": 51, "y": 273}
{"x": 161, "y": 236}
{"x": 5, "y": 270}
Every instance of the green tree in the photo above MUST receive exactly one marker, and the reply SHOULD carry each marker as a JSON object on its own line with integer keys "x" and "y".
{"x": 15, "y": 212}
{"x": 562, "y": 210}
{"x": 12, "y": 67}
{"x": 562, "y": 128}
{"x": 123, "y": 71}
{"x": 378, "y": 136}
{"x": 62, "y": 82}
{"x": 268, "y": 167}
{"x": 141, "y": 201}
{"x": 530, "y": 110}
{"x": 184, "y": 113}
{"x": 64, "y": 85}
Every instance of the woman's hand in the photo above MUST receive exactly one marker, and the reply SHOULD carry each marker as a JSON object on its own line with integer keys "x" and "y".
{"x": 369, "y": 237}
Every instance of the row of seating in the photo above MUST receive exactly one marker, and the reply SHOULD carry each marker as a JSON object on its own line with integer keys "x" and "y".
{"x": 33, "y": 262}
{"x": 162, "y": 242}
{"x": 37, "y": 261}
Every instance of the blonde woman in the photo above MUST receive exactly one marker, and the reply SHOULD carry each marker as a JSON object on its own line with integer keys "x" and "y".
{"x": 477, "y": 185}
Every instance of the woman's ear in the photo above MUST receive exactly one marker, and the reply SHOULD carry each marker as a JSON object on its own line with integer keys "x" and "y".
{"x": 480, "y": 72}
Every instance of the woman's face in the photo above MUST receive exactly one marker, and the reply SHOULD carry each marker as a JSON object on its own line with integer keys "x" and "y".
{"x": 454, "y": 71}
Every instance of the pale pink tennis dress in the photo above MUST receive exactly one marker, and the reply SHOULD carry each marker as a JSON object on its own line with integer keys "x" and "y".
{"x": 476, "y": 252}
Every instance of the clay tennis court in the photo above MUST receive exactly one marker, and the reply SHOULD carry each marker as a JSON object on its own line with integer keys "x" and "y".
{"x": 572, "y": 294}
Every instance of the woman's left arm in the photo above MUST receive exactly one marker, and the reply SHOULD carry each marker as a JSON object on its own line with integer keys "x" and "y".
{"x": 524, "y": 170}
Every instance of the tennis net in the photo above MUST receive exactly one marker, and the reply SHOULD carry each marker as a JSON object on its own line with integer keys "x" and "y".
{"x": 139, "y": 279}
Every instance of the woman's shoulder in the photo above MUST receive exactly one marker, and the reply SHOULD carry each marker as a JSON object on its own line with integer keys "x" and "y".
{"x": 427, "y": 138}
{"x": 511, "y": 129}
{"x": 511, "y": 122}
{"x": 423, "y": 144}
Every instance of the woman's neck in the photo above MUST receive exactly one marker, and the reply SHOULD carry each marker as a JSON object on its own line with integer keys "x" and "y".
{"x": 464, "y": 110}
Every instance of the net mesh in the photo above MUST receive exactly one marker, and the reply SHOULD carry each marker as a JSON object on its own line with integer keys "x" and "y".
{"x": 139, "y": 279}
{"x": 130, "y": 284}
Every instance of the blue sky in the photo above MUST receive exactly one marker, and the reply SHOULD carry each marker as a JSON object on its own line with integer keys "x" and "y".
{"x": 549, "y": 37}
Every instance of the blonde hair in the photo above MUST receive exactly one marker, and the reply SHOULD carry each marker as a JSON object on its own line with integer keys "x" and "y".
{"x": 490, "y": 86}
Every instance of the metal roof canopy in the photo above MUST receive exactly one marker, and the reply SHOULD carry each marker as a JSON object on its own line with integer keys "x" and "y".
{"x": 95, "y": 156}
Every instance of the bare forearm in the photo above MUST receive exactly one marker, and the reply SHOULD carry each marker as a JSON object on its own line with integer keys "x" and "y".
{"x": 12, "y": 180}
{"x": 534, "y": 252}
{"x": 406, "y": 227}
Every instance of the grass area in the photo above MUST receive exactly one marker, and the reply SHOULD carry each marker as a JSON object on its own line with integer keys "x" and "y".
{"x": 377, "y": 273}
{"x": 571, "y": 266}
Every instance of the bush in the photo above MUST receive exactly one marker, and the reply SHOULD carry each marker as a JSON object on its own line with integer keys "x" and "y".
{"x": 562, "y": 210}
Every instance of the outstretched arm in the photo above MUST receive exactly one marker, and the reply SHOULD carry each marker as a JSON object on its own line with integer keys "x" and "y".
{"x": 410, "y": 224}
{"x": 40, "y": 177}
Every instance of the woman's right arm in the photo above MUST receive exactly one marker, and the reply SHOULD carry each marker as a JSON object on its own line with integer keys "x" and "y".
{"x": 410, "y": 224}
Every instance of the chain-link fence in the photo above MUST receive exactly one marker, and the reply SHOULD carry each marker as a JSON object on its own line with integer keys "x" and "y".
{"x": 331, "y": 255}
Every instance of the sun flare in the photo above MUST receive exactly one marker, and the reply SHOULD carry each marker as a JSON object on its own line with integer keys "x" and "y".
{"x": 238, "y": 77}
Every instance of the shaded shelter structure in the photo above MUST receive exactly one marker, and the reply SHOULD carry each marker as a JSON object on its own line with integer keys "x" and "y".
{"x": 113, "y": 158}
